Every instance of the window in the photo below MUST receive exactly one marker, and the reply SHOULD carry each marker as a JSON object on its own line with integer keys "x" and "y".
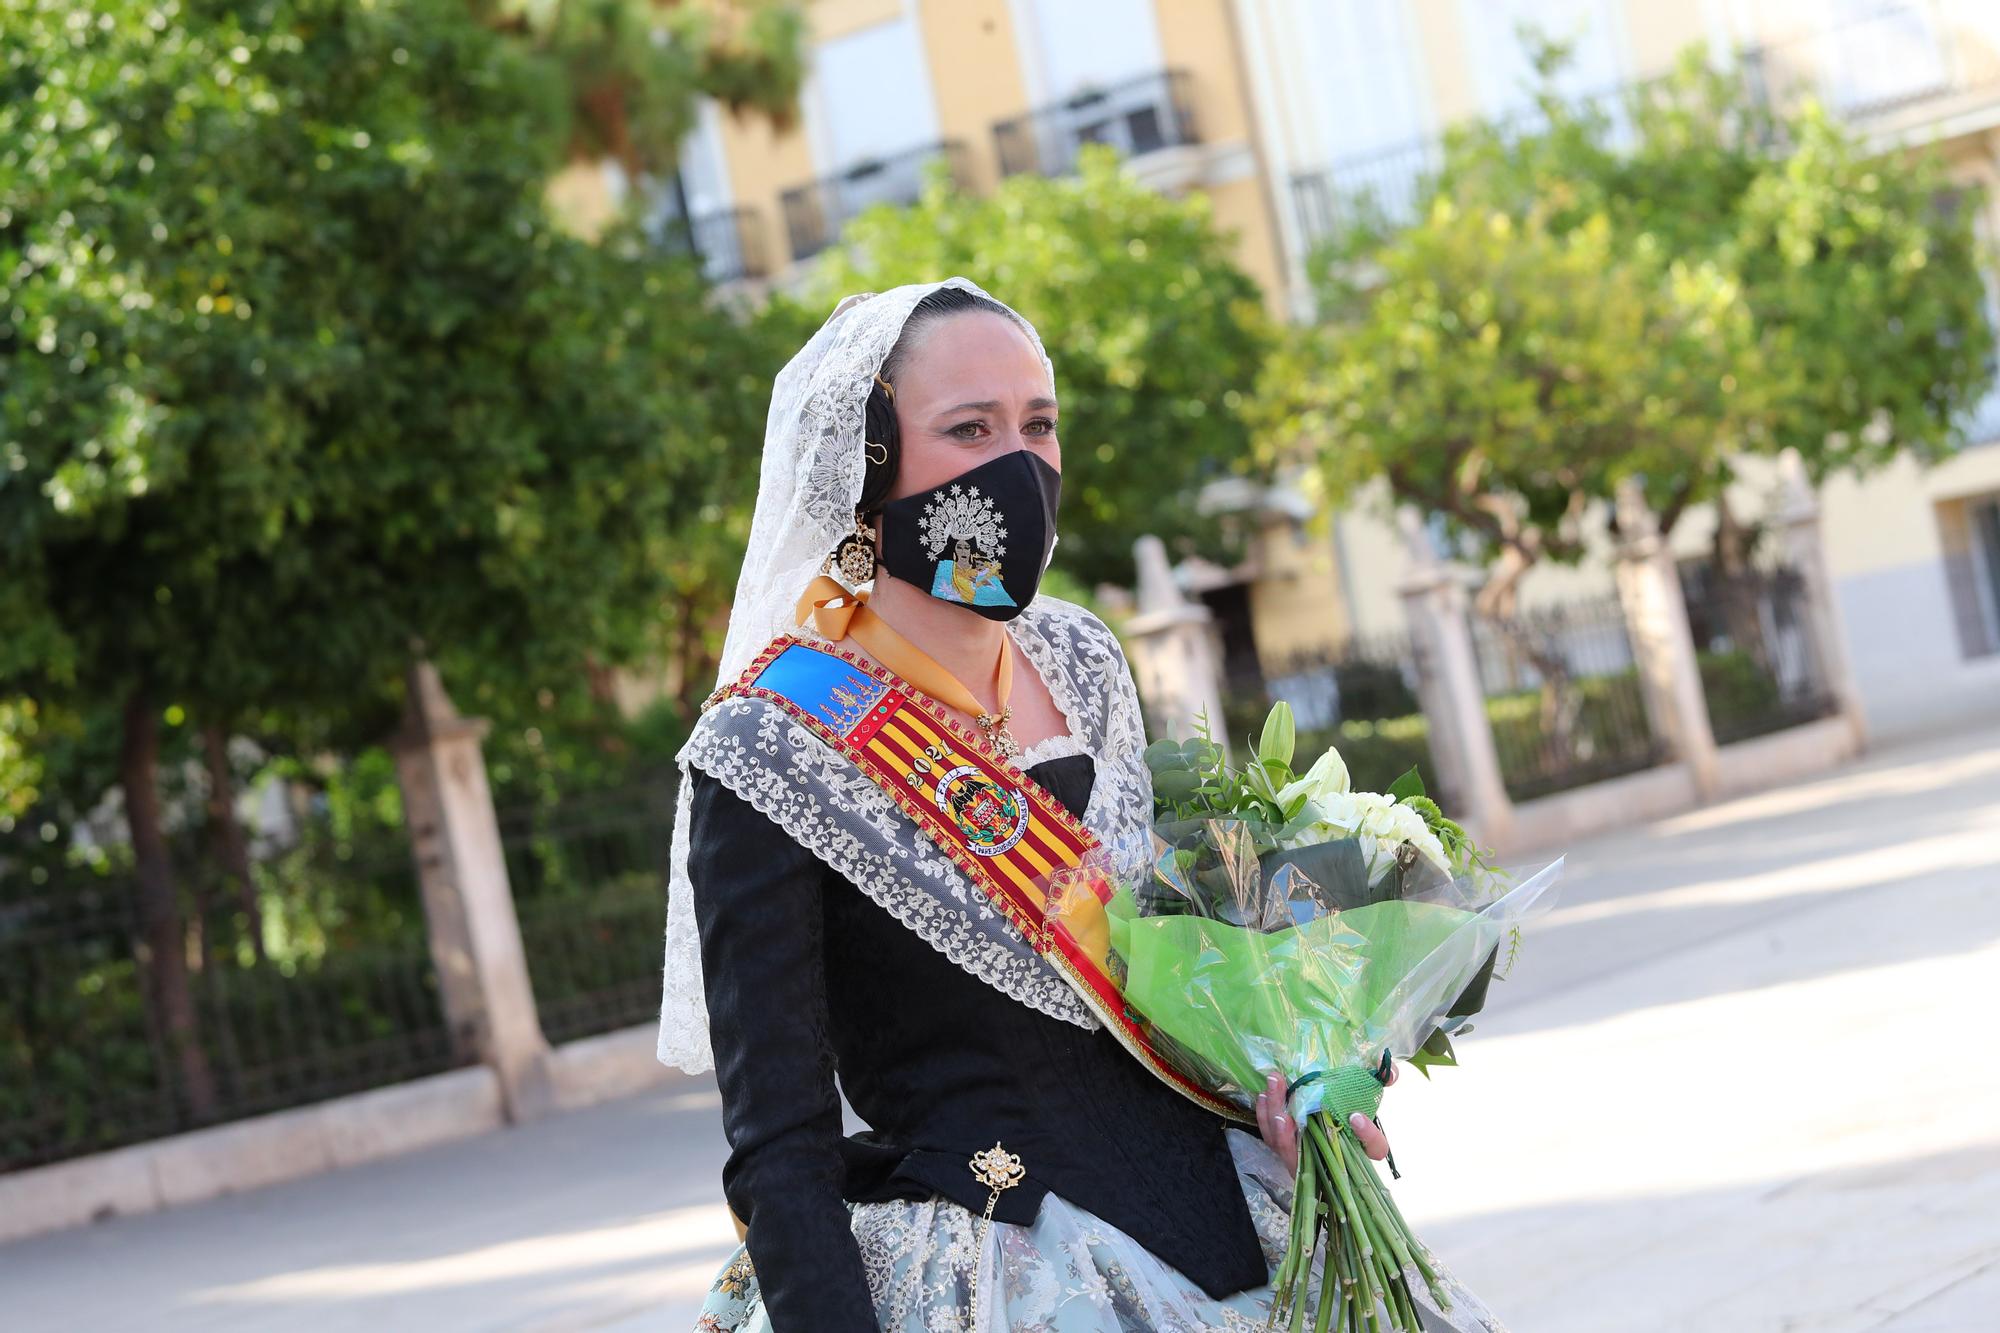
{"x": 1877, "y": 55}
{"x": 1503, "y": 63}
{"x": 873, "y": 95}
{"x": 1082, "y": 47}
{"x": 1971, "y": 532}
{"x": 1367, "y": 98}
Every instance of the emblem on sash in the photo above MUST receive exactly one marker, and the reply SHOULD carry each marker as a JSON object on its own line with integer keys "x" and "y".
{"x": 991, "y": 817}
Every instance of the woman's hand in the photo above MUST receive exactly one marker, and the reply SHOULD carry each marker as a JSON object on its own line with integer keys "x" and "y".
{"x": 1281, "y": 1132}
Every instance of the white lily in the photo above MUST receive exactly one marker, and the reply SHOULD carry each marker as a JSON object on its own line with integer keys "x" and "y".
{"x": 1326, "y": 779}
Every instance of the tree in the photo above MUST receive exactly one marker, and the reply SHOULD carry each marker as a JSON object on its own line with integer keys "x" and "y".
{"x": 1506, "y": 375}
{"x": 299, "y": 375}
{"x": 1156, "y": 335}
{"x": 1859, "y": 268}
{"x": 634, "y": 69}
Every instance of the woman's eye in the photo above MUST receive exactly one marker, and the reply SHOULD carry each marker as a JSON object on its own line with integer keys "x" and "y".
{"x": 969, "y": 430}
{"x": 1041, "y": 426}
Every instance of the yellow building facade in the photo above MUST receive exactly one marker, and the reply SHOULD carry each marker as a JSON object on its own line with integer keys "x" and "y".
{"x": 1278, "y": 110}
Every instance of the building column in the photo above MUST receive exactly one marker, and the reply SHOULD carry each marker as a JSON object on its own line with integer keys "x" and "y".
{"x": 1656, "y": 620}
{"x": 1798, "y": 519}
{"x": 1450, "y": 689}
{"x": 475, "y": 938}
{"x": 1174, "y": 654}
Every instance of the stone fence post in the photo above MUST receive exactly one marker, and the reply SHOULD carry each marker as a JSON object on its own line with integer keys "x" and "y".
{"x": 1450, "y": 689}
{"x": 1805, "y": 551}
{"x": 1656, "y": 620}
{"x": 1174, "y": 654}
{"x": 475, "y": 938}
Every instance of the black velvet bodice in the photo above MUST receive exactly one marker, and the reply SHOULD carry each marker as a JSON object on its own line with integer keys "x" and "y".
{"x": 804, "y": 973}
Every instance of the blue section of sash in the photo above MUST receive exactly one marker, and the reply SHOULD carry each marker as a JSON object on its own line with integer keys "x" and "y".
{"x": 819, "y": 683}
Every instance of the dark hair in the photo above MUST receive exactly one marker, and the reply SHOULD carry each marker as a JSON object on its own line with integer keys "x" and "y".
{"x": 881, "y": 412}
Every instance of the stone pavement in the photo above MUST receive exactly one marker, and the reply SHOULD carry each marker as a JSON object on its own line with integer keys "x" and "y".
{"x": 1743, "y": 1079}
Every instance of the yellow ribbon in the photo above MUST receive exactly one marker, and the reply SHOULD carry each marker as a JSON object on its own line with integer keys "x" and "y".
{"x": 839, "y": 614}
{"x": 832, "y": 609}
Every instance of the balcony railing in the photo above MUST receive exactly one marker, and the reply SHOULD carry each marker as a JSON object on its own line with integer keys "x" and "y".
{"x": 1893, "y": 69}
{"x": 1389, "y": 182}
{"x": 729, "y": 242}
{"x": 1136, "y": 117}
{"x": 1902, "y": 56}
{"x": 816, "y": 211}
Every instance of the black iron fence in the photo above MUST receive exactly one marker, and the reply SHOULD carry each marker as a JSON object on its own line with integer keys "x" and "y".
{"x": 1760, "y": 660}
{"x": 590, "y": 887}
{"x": 1563, "y": 695}
{"x": 1359, "y": 696}
{"x": 816, "y": 211}
{"x": 96, "y": 1046}
{"x": 1135, "y": 117}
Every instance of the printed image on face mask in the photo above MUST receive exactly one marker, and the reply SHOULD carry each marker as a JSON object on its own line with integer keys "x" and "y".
{"x": 969, "y": 579}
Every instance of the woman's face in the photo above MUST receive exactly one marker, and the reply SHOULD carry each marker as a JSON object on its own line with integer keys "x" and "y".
{"x": 971, "y": 390}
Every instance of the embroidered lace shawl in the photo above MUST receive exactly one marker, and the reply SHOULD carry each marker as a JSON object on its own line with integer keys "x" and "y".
{"x": 820, "y": 799}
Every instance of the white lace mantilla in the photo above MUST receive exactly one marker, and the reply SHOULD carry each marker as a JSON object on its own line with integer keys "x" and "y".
{"x": 820, "y": 799}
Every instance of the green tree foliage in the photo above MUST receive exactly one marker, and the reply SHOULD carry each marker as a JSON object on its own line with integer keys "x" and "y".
{"x": 1839, "y": 292}
{"x": 1155, "y": 333}
{"x": 297, "y": 374}
{"x": 1505, "y": 374}
{"x": 1859, "y": 265}
{"x": 634, "y": 69}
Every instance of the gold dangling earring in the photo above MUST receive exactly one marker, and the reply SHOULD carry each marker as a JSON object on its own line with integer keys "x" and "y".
{"x": 854, "y": 559}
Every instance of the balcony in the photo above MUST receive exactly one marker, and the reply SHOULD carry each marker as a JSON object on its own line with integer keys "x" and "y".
{"x": 1136, "y": 117}
{"x": 815, "y": 212}
{"x": 1909, "y": 71}
{"x": 1911, "y": 64}
{"x": 728, "y": 242}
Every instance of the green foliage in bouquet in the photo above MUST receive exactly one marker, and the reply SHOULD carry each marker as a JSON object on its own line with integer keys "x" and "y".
{"x": 1293, "y": 816}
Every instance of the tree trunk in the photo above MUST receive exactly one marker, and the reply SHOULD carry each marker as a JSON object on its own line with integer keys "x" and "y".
{"x": 232, "y": 848}
{"x": 163, "y": 938}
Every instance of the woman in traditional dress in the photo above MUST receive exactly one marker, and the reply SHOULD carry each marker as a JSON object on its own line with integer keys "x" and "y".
{"x": 872, "y": 769}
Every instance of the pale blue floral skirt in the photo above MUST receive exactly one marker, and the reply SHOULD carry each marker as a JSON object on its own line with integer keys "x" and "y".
{"x": 1067, "y": 1272}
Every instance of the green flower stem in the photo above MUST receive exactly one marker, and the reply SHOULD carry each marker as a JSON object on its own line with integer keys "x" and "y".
{"x": 1299, "y": 1245}
{"x": 1413, "y": 1254}
{"x": 1329, "y": 1291}
{"x": 1398, "y": 1252}
{"x": 1356, "y": 1286}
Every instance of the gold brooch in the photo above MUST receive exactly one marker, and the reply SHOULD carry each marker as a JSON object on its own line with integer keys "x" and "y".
{"x": 996, "y": 1169}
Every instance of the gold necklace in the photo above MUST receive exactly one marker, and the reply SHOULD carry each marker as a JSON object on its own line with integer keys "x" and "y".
{"x": 839, "y": 614}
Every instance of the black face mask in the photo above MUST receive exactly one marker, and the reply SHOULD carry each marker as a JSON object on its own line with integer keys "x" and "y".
{"x": 981, "y": 539}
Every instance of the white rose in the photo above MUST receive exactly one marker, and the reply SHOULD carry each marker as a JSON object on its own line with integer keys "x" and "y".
{"x": 1381, "y": 824}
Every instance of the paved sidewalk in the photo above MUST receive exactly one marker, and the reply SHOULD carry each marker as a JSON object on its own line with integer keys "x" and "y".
{"x": 1743, "y": 1079}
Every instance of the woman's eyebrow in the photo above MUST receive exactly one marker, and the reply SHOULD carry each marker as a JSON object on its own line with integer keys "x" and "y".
{"x": 993, "y": 405}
